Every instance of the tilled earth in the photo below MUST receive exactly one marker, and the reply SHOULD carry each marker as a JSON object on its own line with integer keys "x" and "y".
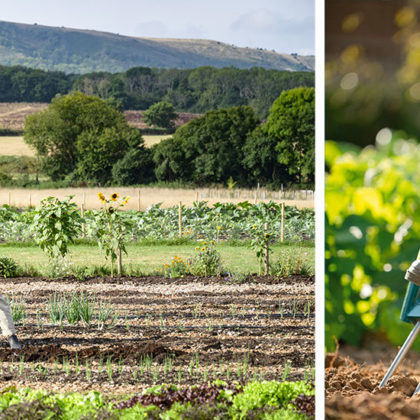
{"x": 351, "y": 384}
{"x": 184, "y": 331}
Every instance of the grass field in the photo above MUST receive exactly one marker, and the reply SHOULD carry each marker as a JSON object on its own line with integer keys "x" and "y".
{"x": 15, "y": 146}
{"x": 151, "y": 258}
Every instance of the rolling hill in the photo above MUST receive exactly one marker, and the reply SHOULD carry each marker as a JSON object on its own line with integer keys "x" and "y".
{"x": 83, "y": 51}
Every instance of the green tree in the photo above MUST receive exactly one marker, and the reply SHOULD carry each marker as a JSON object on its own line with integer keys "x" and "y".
{"x": 74, "y": 132}
{"x": 292, "y": 124}
{"x": 207, "y": 149}
{"x": 161, "y": 114}
{"x": 260, "y": 159}
{"x": 136, "y": 167}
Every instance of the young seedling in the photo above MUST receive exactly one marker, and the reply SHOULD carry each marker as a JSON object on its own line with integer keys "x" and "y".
{"x": 76, "y": 363}
{"x": 156, "y": 374}
{"x": 120, "y": 365}
{"x": 109, "y": 369}
{"x": 286, "y": 370}
{"x": 197, "y": 362}
{"x": 38, "y": 319}
{"x": 21, "y": 364}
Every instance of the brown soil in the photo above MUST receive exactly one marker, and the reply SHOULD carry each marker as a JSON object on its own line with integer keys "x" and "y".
{"x": 190, "y": 331}
{"x": 351, "y": 384}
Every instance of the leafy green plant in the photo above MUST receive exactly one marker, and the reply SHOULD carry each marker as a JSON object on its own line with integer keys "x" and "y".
{"x": 207, "y": 260}
{"x": 372, "y": 233}
{"x": 56, "y": 223}
{"x": 257, "y": 395}
{"x": 17, "y": 307}
{"x": 112, "y": 228}
{"x": 260, "y": 242}
{"x": 8, "y": 267}
{"x": 290, "y": 263}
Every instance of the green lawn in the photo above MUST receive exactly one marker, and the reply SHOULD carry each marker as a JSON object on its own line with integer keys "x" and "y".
{"x": 151, "y": 258}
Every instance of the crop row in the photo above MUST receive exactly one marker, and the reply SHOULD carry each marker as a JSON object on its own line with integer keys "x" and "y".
{"x": 223, "y": 221}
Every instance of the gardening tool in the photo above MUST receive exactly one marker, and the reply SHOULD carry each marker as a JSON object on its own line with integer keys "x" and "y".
{"x": 410, "y": 312}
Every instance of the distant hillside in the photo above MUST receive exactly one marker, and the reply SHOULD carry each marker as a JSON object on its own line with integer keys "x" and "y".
{"x": 83, "y": 51}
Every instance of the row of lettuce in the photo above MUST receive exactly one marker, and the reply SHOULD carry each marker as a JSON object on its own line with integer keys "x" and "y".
{"x": 222, "y": 221}
{"x": 257, "y": 400}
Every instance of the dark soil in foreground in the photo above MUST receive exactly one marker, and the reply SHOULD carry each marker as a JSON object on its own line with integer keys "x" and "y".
{"x": 352, "y": 379}
{"x": 185, "y": 331}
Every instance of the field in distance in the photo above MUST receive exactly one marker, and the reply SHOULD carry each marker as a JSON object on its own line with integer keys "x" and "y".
{"x": 13, "y": 114}
{"x": 15, "y": 146}
{"x": 141, "y": 198}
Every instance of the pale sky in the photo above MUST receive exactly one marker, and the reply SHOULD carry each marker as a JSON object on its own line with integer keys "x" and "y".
{"x": 283, "y": 25}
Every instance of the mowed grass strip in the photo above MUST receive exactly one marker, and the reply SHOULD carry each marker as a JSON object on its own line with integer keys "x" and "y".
{"x": 151, "y": 258}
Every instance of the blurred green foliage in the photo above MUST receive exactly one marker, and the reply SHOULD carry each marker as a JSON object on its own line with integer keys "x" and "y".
{"x": 372, "y": 234}
{"x": 366, "y": 92}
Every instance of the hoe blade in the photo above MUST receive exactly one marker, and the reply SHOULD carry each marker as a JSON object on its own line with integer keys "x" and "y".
{"x": 401, "y": 354}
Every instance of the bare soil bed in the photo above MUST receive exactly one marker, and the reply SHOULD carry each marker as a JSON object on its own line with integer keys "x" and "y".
{"x": 351, "y": 384}
{"x": 183, "y": 331}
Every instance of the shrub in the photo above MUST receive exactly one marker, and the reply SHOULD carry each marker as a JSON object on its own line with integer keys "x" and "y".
{"x": 177, "y": 268}
{"x": 207, "y": 260}
{"x": 8, "y": 267}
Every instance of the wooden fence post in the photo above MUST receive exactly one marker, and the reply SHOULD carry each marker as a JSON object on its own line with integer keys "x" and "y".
{"x": 119, "y": 262}
{"x": 82, "y": 212}
{"x": 9, "y": 202}
{"x": 30, "y": 200}
{"x": 282, "y": 223}
{"x": 180, "y": 219}
{"x": 267, "y": 252}
{"x": 138, "y": 199}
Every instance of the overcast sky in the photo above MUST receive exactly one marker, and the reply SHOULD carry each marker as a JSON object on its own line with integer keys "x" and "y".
{"x": 282, "y": 25}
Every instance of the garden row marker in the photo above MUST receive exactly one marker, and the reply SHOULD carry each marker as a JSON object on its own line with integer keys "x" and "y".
{"x": 82, "y": 213}
{"x": 282, "y": 223}
{"x": 180, "y": 219}
{"x": 119, "y": 262}
{"x": 410, "y": 312}
{"x": 266, "y": 251}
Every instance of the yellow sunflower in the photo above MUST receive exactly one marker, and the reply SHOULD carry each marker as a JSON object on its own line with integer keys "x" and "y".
{"x": 114, "y": 196}
{"x": 125, "y": 201}
{"x": 101, "y": 197}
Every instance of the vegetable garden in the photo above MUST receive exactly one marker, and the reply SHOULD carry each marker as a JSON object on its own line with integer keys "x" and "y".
{"x": 194, "y": 339}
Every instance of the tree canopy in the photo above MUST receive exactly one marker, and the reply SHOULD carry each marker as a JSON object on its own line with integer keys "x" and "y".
{"x": 292, "y": 124}
{"x": 79, "y": 135}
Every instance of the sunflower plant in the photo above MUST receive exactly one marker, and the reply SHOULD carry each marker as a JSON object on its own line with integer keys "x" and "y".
{"x": 260, "y": 243}
{"x": 112, "y": 228}
{"x": 56, "y": 223}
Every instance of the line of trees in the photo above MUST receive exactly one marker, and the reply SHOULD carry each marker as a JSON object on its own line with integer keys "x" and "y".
{"x": 82, "y": 138}
{"x": 193, "y": 90}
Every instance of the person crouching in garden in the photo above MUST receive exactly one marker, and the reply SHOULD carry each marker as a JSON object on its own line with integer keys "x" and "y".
{"x": 6, "y": 324}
